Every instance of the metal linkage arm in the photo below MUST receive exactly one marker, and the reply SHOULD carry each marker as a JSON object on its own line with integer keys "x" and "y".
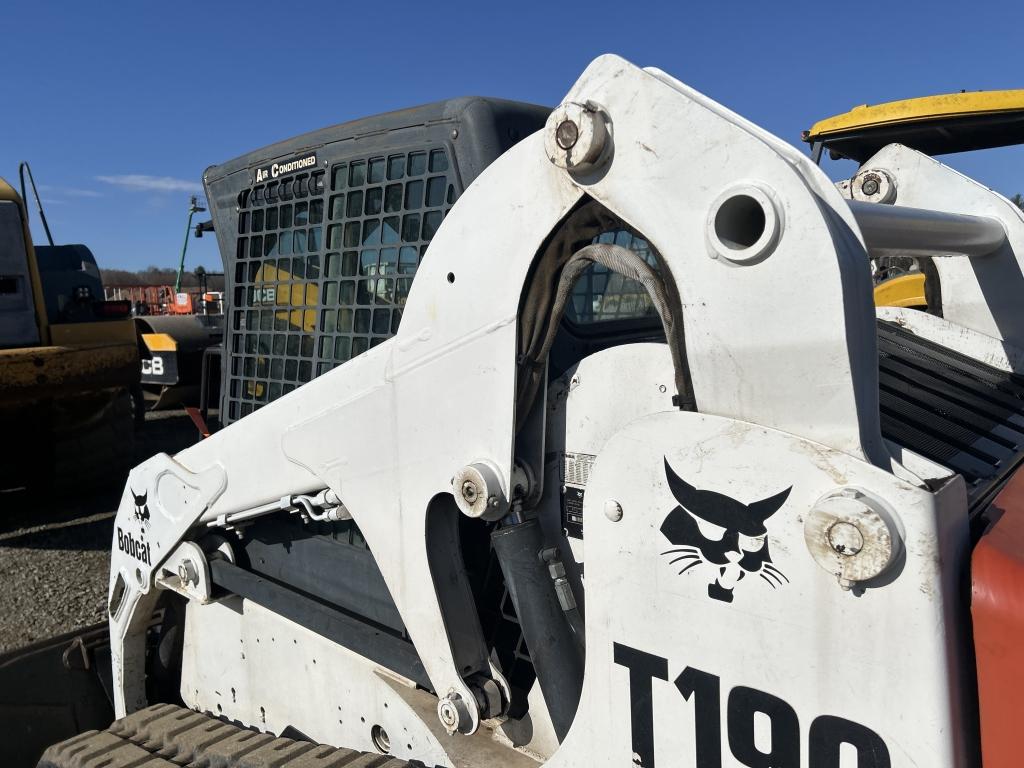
{"x": 898, "y": 229}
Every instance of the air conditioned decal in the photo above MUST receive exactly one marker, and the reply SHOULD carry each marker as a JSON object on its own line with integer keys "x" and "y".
{"x": 712, "y": 529}
{"x": 276, "y": 170}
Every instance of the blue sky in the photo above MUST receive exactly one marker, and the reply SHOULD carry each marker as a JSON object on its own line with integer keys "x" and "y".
{"x": 120, "y": 106}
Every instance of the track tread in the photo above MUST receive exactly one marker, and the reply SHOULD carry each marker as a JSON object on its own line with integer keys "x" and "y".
{"x": 168, "y": 736}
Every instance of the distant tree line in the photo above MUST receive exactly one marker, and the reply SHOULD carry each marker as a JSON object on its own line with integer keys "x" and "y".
{"x": 158, "y": 276}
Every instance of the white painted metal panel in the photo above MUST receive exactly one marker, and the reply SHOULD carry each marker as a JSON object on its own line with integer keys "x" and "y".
{"x": 980, "y": 293}
{"x": 883, "y": 659}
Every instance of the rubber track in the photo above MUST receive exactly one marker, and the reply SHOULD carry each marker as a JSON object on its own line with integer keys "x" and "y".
{"x": 168, "y": 736}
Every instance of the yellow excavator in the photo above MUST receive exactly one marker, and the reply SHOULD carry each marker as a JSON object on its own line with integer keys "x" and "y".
{"x": 935, "y": 125}
{"x": 69, "y": 361}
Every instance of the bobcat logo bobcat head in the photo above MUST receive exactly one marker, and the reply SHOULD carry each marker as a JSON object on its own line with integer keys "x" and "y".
{"x": 141, "y": 507}
{"x": 709, "y": 528}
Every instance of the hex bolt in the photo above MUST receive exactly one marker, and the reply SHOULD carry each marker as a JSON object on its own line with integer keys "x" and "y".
{"x": 567, "y": 134}
{"x": 613, "y": 510}
{"x": 469, "y": 491}
{"x": 870, "y": 185}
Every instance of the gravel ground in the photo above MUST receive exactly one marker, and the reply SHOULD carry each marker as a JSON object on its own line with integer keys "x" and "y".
{"x": 54, "y": 563}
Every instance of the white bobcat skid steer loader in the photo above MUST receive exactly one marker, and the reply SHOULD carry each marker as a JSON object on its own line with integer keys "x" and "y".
{"x": 595, "y": 491}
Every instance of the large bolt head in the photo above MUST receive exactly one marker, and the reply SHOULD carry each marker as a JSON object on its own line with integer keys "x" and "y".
{"x": 577, "y": 136}
{"x": 448, "y": 715}
{"x": 478, "y": 492}
{"x": 852, "y": 535}
{"x": 567, "y": 134}
{"x": 453, "y": 713}
{"x": 873, "y": 186}
{"x": 187, "y": 573}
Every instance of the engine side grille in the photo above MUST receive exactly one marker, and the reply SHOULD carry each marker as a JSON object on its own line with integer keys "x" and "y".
{"x": 949, "y": 408}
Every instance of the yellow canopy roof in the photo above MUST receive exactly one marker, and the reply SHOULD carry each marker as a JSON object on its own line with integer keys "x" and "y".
{"x": 7, "y": 192}
{"x": 951, "y": 122}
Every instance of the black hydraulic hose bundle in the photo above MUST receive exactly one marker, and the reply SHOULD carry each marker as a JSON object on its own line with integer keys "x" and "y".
{"x": 547, "y": 299}
{"x": 556, "y": 651}
{"x": 634, "y": 267}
